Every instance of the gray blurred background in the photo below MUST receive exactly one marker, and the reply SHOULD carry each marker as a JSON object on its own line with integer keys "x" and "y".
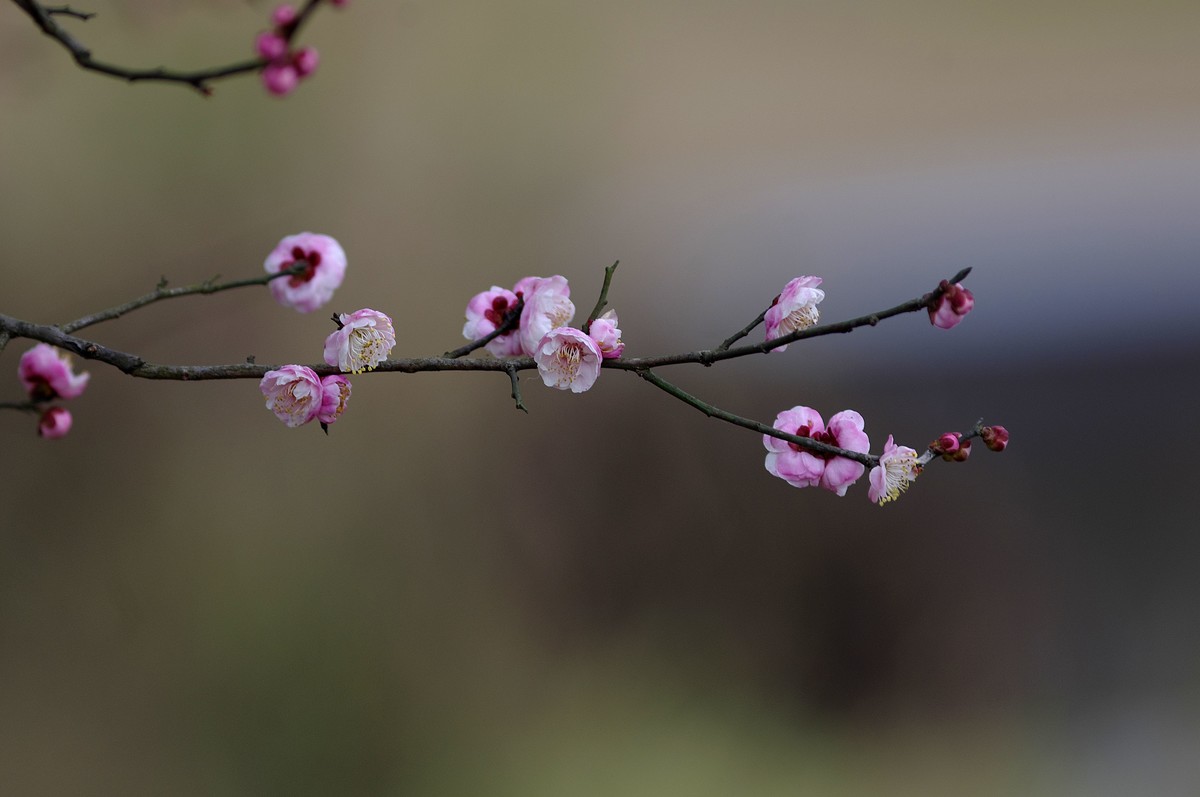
{"x": 610, "y": 596}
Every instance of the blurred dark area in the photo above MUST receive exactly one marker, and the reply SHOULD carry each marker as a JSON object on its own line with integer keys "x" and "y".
{"x": 610, "y": 595}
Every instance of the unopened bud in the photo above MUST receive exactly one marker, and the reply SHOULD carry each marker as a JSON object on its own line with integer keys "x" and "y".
{"x": 994, "y": 437}
{"x": 962, "y": 453}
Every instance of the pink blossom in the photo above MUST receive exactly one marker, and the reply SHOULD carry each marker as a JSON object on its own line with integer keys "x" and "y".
{"x": 800, "y": 467}
{"x": 293, "y": 393}
{"x": 794, "y": 309}
{"x": 280, "y": 78}
{"x": 283, "y": 15}
{"x": 607, "y": 336}
{"x": 896, "y": 470}
{"x": 547, "y": 306}
{"x": 952, "y": 306}
{"x": 362, "y": 342}
{"x": 525, "y": 286}
{"x": 568, "y": 359}
{"x": 45, "y": 372}
{"x": 271, "y": 46}
{"x": 335, "y": 392}
{"x": 55, "y": 422}
{"x": 314, "y": 286}
{"x": 486, "y": 312}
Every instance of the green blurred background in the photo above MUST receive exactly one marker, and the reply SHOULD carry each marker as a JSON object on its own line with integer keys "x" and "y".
{"x": 610, "y": 596}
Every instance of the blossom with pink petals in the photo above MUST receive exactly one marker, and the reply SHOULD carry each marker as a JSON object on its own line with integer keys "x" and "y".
{"x": 795, "y": 308}
{"x": 363, "y": 341}
{"x": 568, "y": 359}
{"x": 55, "y": 422}
{"x": 46, "y": 374}
{"x": 896, "y": 470}
{"x": 547, "y": 306}
{"x": 952, "y": 306}
{"x": 607, "y": 336}
{"x": 800, "y": 467}
{"x": 335, "y": 392}
{"x": 485, "y": 313}
{"x": 314, "y": 286}
{"x": 294, "y": 393}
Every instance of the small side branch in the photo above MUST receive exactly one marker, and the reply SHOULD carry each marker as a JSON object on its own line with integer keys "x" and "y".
{"x": 741, "y": 333}
{"x": 603, "y": 300}
{"x": 511, "y": 370}
{"x": 161, "y": 291}
{"x": 746, "y": 423}
{"x": 44, "y": 18}
{"x": 511, "y": 319}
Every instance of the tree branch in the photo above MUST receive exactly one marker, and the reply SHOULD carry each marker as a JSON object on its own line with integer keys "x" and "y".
{"x": 43, "y": 17}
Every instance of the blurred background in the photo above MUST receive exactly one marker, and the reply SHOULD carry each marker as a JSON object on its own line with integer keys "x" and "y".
{"x": 609, "y": 595}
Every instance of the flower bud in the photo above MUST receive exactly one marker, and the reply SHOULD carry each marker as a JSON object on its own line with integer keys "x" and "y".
{"x": 952, "y": 305}
{"x": 994, "y": 437}
{"x": 962, "y": 453}
{"x": 55, "y": 422}
{"x": 946, "y": 445}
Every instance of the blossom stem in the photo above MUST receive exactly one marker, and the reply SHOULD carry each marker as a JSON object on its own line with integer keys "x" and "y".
{"x": 741, "y": 333}
{"x": 511, "y": 318}
{"x": 746, "y": 423}
{"x": 602, "y": 300}
{"x": 161, "y": 291}
{"x": 516, "y": 388}
{"x": 43, "y": 17}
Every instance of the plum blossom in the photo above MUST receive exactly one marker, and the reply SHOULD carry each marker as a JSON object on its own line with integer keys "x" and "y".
{"x": 795, "y": 308}
{"x": 363, "y": 340}
{"x": 283, "y": 15}
{"x": 45, "y": 372}
{"x": 568, "y": 359}
{"x": 294, "y": 393}
{"x": 55, "y": 422}
{"x": 335, "y": 392}
{"x": 952, "y": 306}
{"x": 800, "y": 467}
{"x": 607, "y": 336}
{"x": 896, "y": 470}
{"x": 314, "y": 286}
{"x": 547, "y": 306}
{"x": 485, "y": 313}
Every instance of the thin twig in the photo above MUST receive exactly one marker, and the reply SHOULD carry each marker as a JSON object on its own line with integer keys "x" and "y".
{"x": 603, "y": 300}
{"x": 511, "y": 319}
{"x": 67, "y": 11}
{"x": 163, "y": 292}
{"x": 815, "y": 446}
{"x": 741, "y": 333}
{"x": 516, "y": 388}
{"x": 43, "y": 16}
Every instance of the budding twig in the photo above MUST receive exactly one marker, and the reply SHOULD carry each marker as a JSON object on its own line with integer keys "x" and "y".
{"x": 603, "y": 300}
{"x": 43, "y": 17}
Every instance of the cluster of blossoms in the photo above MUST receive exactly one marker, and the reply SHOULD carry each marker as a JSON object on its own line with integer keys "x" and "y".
{"x": 285, "y": 67}
{"x": 567, "y": 358}
{"x": 45, "y": 373}
{"x": 795, "y": 309}
{"x": 363, "y": 339}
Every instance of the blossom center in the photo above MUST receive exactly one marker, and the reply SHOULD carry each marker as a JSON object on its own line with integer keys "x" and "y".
{"x": 898, "y": 473}
{"x": 821, "y": 437}
{"x": 312, "y": 259}
{"x": 801, "y": 318}
{"x": 367, "y": 349}
{"x": 568, "y": 358}
{"x": 497, "y": 311}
